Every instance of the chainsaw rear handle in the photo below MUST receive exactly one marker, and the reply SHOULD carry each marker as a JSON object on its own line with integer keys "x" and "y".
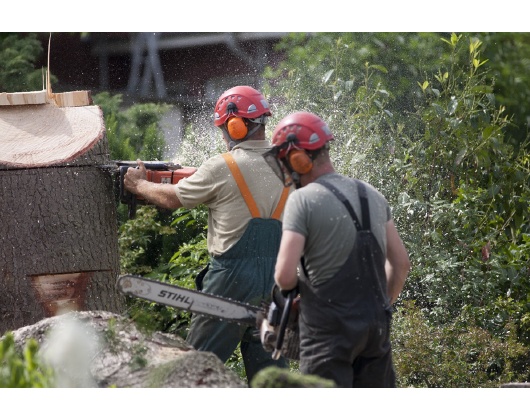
{"x": 283, "y": 323}
{"x": 157, "y": 171}
{"x": 127, "y": 197}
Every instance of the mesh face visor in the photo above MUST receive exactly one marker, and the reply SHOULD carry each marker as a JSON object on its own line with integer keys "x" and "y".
{"x": 260, "y": 120}
{"x": 278, "y": 166}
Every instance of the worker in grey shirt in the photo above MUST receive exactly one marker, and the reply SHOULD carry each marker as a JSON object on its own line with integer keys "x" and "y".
{"x": 340, "y": 249}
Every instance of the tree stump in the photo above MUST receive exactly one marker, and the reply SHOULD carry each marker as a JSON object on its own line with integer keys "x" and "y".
{"x": 58, "y": 222}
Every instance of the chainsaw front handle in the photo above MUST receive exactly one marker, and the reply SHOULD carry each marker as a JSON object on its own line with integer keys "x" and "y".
{"x": 283, "y": 324}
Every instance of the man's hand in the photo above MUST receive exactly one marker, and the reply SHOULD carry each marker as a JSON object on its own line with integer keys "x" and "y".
{"x": 161, "y": 195}
{"x": 134, "y": 176}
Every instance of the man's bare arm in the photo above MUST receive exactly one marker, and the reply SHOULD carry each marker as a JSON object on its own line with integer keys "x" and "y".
{"x": 289, "y": 254}
{"x": 161, "y": 195}
{"x": 397, "y": 262}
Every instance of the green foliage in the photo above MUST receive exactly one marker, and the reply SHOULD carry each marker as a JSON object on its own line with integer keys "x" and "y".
{"x": 24, "y": 370}
{"x": 179, "y": 265}
{"x": 509, "y": 61}
{"x": 457, "y": 355}
{"x": 192, "y": 255}
{"x": 133, "y": 133}
{"x": 140, "y": 241}
{"x": 18, "y": 54}
{"x": 333, "y": 73}
{"x": 142, "y": 129}
{"x": 184, "y": 231}
{"x": 236, "y": 364}
{"x": 119, "y": 145}
{"x": 418, "y": 116}
{"x": 463, "y": 198}
{"x": 273, "y": 377}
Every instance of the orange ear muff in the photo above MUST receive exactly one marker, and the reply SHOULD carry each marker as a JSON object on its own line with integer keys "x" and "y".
{"x": 300, "y": 161}
{"x": 236, "y": 127}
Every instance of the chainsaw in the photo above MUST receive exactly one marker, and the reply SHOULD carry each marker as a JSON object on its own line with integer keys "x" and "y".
{"x": 277, "y": 321}
{"x": 160, "y": 172}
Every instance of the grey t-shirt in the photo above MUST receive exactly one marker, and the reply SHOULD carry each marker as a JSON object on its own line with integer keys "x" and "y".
{"x": 316, "y": 213}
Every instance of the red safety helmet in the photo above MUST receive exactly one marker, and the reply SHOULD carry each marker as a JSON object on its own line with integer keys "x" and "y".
{"x": 241, "y": 101}
{"x": 300, "y": 130}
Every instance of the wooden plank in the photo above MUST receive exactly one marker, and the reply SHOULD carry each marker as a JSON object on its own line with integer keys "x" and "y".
{"x": 75, "y": 98}
{"x": 23, "y": 98}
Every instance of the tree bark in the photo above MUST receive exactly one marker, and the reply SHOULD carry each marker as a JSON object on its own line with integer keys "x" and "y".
{"x": 59, "y": 243}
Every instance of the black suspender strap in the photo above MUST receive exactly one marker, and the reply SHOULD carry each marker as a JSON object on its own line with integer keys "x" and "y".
{"x": 364, "y": 203}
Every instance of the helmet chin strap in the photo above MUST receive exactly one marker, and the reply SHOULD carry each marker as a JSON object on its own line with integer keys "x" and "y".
{"x": 256, "y": 128}
{"x": 295, "y": 176}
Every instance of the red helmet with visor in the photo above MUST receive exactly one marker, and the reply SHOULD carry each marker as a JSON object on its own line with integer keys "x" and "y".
{"x": 300, "y": 130}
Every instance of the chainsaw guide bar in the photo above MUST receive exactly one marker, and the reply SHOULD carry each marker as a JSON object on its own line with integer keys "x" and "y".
{"x": 217, "y": 307}
{"x": 189, "y": 300}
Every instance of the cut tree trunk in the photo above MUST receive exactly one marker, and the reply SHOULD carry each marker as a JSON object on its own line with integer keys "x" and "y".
{"x": 58, "y": 222}
{"x": 59, "y": 243}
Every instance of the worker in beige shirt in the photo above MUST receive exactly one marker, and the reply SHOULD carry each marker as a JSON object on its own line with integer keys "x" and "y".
{"x": 245, "y": 201}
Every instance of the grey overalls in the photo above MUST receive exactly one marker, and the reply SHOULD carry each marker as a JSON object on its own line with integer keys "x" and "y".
{"x": 345, "y": 322}
{"x": 244, "y": 273}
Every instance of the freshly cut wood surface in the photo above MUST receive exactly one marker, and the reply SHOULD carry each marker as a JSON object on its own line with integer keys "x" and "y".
{"x": 43, "y": 135}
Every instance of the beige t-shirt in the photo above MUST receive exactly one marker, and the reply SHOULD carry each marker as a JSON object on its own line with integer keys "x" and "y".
{"x": 213, "y": 185}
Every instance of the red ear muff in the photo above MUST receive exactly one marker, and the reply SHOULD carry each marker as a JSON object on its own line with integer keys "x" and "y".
{"x": 236, "y": 127}
{"x": 300, "y": 161}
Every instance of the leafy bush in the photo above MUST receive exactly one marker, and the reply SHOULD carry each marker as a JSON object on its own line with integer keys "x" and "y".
{"x": 456, "y": 355}
{"x": 141, "y": 240}
{"x": 180, "y": 265}
{"x": 18, "y": 54}
{"x": 134, "y": 132}
{"x": 416, "y": 115}
{"x": 23, "y": 370}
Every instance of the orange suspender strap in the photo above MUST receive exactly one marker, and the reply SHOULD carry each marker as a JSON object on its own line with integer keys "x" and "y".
{"x": 243, "y": 188}
{"x": 278, "y": 212}
{"x": 247, "y": 195}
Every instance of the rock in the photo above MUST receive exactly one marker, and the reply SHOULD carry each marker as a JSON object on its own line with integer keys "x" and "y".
{"x": 101, "y": 349}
